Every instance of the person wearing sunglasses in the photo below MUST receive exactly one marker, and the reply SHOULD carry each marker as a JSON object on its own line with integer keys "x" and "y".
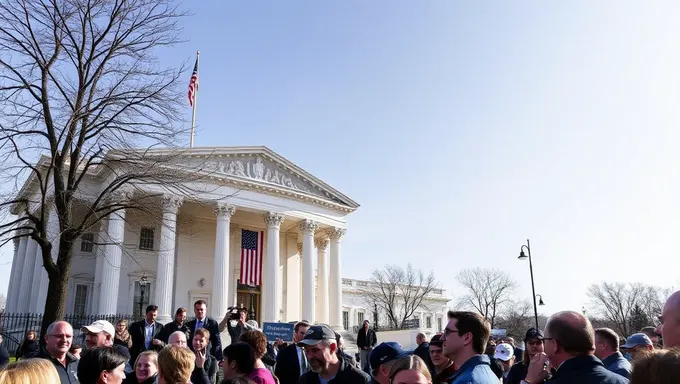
{"x": 465, "y": 338}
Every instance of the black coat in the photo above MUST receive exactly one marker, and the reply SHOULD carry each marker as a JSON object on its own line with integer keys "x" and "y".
{"x": 4, "y": 356}
{"x": 585, "y": 370}
{"x": 205, "y": 374}
{"x": 215, "y": 345}
{"x": 347, "y": 374}
{"x": 137, "y": 331}
{"x": 423, "y": 351}
{"x": 170, "y": 328}
{"x": 28, "y": 349}
{"x": 366, "y": 339}
{"x": 288, "y": 365}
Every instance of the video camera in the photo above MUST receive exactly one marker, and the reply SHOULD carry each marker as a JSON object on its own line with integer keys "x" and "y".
{"x": 234, "y": 313}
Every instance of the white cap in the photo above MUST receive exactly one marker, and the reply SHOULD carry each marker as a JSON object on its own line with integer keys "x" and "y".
{"x": 99, "y": 326}
{"x": 504, "y": 351}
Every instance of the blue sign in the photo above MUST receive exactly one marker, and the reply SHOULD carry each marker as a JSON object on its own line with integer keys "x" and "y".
{"x": 275, "y": 331}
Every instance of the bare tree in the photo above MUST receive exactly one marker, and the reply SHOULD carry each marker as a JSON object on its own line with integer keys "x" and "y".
{"x": 398, "y": 291}
{"x": 517, "y": 317}
{"x": 624, "y": 305}
{"x": 3, "y": 301}
{"x": 81, "y": 91}
{"x": 487, "y": 291}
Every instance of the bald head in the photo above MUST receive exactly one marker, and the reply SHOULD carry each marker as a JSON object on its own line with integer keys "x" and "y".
{"x": 178, "y": 338}
{"x": 572, "y": 331}
{"x": 670, "y": 322}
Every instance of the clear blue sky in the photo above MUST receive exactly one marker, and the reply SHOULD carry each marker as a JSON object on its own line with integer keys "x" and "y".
{"x": 463, "y": 129}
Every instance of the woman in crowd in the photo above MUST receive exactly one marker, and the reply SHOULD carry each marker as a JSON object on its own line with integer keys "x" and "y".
{"x": 410, "y": 370}
{"x": 122, "y": 335}
{"x": 76, "y": 350}
{"x": 30, "y": 371}
{"x": 659, "y": 366}
{"x": 239, "y": 360}
{"x": 206, "y": 364}
{"x": 103, "y": 365}
{"x": 29, "y": 347}
{"x": 146, "y": 369}
{"x": 258, "y": 341}
{"x": 533, "y": 345}
{"x": 443, "y": 366}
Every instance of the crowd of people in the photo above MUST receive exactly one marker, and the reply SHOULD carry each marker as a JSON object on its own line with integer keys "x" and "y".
{"x": 568, "y": 350}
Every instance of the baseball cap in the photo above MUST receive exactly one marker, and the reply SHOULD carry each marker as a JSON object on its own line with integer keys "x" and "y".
{"x": 504, "y": 351}
{"x": 316, "y": 334}
{"x": 99, "y": 326}
{"x": 437, "y": 340}
{"x": 533, "y": 333}
{"x": 385, "y": 352}
{"x": 637, "y": 339}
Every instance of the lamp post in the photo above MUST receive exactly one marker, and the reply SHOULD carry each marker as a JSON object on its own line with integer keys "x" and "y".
{"x": 142, "y": 291}
{"x": 523, "y": 256}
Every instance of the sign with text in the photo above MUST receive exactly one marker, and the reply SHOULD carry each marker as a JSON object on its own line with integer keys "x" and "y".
{"x": 275, "y": 331}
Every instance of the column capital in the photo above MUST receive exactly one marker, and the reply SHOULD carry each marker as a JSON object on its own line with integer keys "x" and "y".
{"x": 336, "y": 233}
{"x": 171, "y": 203}
{"x": 321, "y": 244}
{"x": 233, "y": 228}
{"x": 308, "y": 227}
{"x": 273, "y": 220}
{"x": 224, "y": 211}
{"x": 299, "y": 246}
{"x": 121, "y": 195}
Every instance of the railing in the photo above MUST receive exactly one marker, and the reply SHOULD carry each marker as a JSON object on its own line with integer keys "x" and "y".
{"x": 15, "y": 326}
{"x": 408, "y": 324}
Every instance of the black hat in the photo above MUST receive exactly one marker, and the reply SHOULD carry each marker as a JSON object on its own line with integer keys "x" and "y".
{"x": 437, "y": 340}
{"x": 316, "y": 334}
{"x": 533, "y": 333}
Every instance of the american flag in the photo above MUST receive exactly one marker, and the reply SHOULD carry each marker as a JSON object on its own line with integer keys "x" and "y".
{"x": 193, "y": 84}
{"x": 251, "y": 257}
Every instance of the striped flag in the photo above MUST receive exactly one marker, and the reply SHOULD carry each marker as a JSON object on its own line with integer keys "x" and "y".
{"x": 193, "y": 84}
{"x": 251, "y": 257}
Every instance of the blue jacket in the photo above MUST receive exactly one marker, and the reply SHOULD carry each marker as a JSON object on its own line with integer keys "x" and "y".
{"x": 477, "y": 370}
{"x": 618, "y": 364}
{"x": 585, "y": 370}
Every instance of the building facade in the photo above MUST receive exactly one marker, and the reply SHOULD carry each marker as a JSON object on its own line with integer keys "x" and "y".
{"x": 189, "y": 247}
{"x": 356, "y": 307}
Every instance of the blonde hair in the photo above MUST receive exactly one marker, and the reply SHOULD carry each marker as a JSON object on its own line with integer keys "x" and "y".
{"x": 175, "y": 364}
{"x": 408, "y": 363}
{"x": 153, "y": 356}
{"x": 29, "y": 371}
{"x": 657, "y": 366}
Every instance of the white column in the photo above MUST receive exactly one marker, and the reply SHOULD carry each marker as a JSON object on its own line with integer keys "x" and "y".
{"x": 270, "y": 281}
{"x": 322, "y": 280}
{"x": 165, "y": 270}
{"x": 33, "y": 304}
{"x": 307, "y": 227}
{"x": 292, "y": 279}
{"x": 220, "y": 284}
{"x": 335, "y": 291}
{"x": 53, "y": 235}
{"x": 26, "y": 287}
{"x": 100, "y": 258}
{"x": 17, "y": 272}
{"x": 111, "y": 263}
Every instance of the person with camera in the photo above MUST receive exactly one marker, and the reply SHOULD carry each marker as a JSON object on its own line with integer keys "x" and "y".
{"x": 235, "y": 322}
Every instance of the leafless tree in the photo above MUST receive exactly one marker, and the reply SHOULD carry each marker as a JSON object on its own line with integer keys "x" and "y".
{"x": 517, "y": 317}
{"x": 398, "y": 291}
{"x": 3, "y": 301}
{"x": 487, "y": 290}
{"x": 616, "y": 303}
{"x": 81, "y": 91}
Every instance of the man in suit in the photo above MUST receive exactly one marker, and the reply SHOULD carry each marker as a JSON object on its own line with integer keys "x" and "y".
{"x": 178, "y": 325}
{"x": 203, "y": 321}
{"x": 291, "y": 362}
{"x": 144, "y": 333}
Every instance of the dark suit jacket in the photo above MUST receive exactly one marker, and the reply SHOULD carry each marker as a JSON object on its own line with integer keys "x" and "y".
{"x": 215, "y": 346}
{"x": 287, "y": 365}
{"x": 137, "y": 331}
{"x": 423, "y": 351}
{"x": 585, "y": 370}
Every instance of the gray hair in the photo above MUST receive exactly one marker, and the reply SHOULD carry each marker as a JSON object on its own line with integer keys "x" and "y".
{"x": 175, "y": 334}
{"x": 51, "y": 327}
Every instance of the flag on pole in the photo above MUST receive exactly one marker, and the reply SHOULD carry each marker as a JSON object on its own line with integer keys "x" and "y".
{"x": 193, "y": 84}
{"x": 251, "y": 257}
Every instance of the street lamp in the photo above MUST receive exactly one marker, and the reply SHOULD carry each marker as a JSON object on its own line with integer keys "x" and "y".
{"x": 540, "y": 300}
{"x": 142, "y": 291}
{"x": 523, "y": 256}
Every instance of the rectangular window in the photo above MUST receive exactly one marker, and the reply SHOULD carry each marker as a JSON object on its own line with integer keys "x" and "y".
{"x": 141, "y": 299}
{"x": 439, "y": 324}
{"x": 80, "y": 301}
{"x": 146, "y": 239}
{"x": 428, "y": 322}
{"x": 360, "y": 318}
{"x": 87, "y": 242}
{"x": 345, "y": 319}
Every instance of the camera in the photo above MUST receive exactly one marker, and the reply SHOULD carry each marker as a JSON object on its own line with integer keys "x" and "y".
{"x": 234, "y": 313}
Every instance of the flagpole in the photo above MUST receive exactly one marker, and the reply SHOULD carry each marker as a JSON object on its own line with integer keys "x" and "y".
{"x": 193, "y": 111}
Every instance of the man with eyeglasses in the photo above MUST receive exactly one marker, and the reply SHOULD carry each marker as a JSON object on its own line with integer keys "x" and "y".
{"x": 465, "y": 338}
{"x": 57, "y": 343}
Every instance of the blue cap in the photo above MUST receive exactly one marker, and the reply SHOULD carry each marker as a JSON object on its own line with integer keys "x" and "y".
{"x": 385, "y": 352}
{"x": 637, "y": 339}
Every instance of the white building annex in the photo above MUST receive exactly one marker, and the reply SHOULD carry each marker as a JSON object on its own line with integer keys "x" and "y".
{"x": 193, "y": 251}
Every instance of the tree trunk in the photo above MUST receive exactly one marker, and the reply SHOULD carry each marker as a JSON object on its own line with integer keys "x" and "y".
{"x": 55, "y": 305}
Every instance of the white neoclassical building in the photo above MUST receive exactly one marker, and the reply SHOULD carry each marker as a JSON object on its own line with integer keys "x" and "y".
{"x": 192, "y": 250}
{"x": 356, "y": 307}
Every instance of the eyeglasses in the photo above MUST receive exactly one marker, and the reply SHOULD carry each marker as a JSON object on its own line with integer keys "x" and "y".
{"x": 448, "y": 331}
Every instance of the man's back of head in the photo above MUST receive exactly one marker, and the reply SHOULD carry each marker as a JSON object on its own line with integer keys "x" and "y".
{"x": 420, "y": 338}
{"x": 669, "y": 329}
{"x": 175, "y": 365}
{"x": 606, "y": 342}
{"x": 568, "y": 334}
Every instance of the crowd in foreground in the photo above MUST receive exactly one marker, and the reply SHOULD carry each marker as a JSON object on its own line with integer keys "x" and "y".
{"x": 568, "y": 350}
